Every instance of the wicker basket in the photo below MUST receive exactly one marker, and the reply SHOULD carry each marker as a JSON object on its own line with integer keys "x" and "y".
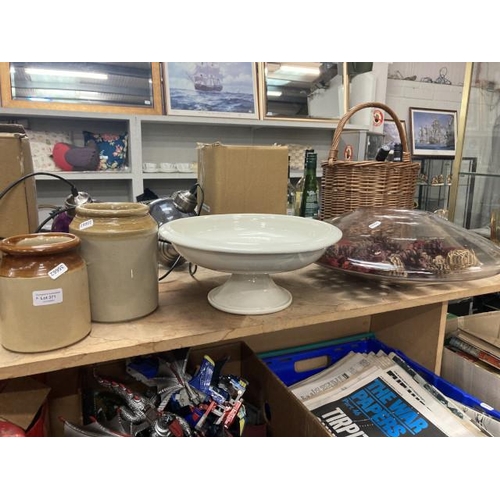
{"x": 348, "y": 185}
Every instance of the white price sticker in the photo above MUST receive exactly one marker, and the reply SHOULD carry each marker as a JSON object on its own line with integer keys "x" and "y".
{"x": 47, "y": 297}
{"x": 58, "y": 270}
{"x": 375, "y": 224}
{"x": 86, "y": 224}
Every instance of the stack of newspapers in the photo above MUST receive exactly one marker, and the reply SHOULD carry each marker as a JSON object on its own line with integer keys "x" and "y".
{"x": 380, "y": 395}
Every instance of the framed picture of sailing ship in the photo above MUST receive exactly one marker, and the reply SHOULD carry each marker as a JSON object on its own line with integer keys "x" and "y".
{"x": 433, "y": 132}
{"x": 222, "y": 89}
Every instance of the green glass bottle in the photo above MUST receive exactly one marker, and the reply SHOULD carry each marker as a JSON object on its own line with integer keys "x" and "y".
{"x": 299, "y": 185}
{"x": 309, "y": 207}
{"x": 291, "y": 195}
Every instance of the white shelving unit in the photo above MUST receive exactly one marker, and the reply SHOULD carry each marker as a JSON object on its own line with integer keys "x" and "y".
{"x": 158, "y": 139}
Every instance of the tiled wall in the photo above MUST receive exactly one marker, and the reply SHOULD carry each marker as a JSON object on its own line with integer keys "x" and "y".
{"x": 403, "y": 95}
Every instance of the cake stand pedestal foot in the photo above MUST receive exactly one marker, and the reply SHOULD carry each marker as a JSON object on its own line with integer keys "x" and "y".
{"x": 250, "y": 294}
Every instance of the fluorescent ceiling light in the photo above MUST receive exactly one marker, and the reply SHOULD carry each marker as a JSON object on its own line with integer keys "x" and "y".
{"x": 65, "y": 73}
{"x": 67, "y": 94}
{"x": 274, "y": 93}
{"x": 299, "y": 70}
{"x": 274, "y": 82}
{"x": 86, "y": 94}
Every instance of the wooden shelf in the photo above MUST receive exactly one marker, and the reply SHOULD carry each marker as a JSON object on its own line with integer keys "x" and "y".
{"x": 87, "y": 176}
{"x": 326, "y": 305}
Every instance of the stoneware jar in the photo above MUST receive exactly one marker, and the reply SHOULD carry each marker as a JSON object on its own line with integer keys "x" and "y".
{"x": 44, "y": 292}
{"x": 119, "y": 243}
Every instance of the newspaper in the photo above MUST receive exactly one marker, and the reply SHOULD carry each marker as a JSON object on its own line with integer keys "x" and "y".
{"x": 434, "y": 392}
{"x": 433, "y": 399}
{"x": 489, "y": 424}
{"x": 328, "y": 379}
{"x": 381, "y": 399}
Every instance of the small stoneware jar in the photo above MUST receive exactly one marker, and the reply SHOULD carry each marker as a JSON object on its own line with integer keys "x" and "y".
{"x": 119, "y": 243}
{"x": 44, "y": 292}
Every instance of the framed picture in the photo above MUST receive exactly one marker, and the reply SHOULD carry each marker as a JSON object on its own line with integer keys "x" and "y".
{"x": 217, "y": 89}
{"x": 391, "y": 132}
{"x": 433, "y": 132}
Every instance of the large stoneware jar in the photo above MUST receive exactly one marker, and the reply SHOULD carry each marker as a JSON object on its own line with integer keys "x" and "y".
{"x": 44, "y": 292}
{"x": 119, "y": 243}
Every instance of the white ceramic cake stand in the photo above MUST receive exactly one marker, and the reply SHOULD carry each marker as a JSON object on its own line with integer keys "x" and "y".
{"x": 251, "y": 247}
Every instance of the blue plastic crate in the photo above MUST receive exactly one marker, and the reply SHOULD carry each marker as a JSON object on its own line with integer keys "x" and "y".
{"x": 283, "y": 364}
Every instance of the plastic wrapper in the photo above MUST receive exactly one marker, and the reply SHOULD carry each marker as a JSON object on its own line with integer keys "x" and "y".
{"x": 409, "y": 246}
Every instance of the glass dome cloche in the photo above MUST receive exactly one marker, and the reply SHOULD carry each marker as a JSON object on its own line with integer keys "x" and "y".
{"x": 409, "y": 246}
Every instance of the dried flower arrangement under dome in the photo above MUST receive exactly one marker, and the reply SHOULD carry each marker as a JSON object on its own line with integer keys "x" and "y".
{"x": 409, "y": 246}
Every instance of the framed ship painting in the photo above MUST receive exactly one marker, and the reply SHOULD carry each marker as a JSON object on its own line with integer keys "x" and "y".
{"x": 217, "y": 89}
{"x": 433, "y": 132}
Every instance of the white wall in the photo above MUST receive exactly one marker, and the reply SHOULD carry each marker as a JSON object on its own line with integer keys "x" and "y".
{"x": 404, "y": 94}
{"x": 451, "y": 71}
{"x": 484, "y": 107}
{"x": 400, "y": 94}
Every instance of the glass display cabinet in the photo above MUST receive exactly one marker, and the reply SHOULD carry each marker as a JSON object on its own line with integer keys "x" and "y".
{"x": 466, "y": 191}
{"x": 434, "y": 183}
{"x": 113, "y": 87}
{"x": 475, "y": 190}
{"x": 303, "y": 90}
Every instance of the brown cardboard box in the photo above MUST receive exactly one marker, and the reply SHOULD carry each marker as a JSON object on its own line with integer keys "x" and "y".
{"x": 65, "y": 399}
{"x": 284, "y": 414}
{"x": 474, "y": 377}
{"x": 287, "y": 416}
{"x": 18, "y": 207}
{"x": 22, "y": 403}
{"x": 243, "y": 179}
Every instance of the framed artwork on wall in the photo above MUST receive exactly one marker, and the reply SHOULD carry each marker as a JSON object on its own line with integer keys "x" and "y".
{"x": 218, "y": 89}
{"x": 433, "y": 132}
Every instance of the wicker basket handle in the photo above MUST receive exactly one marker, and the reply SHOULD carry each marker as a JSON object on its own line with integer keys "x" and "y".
{"x": 333, "y": 155}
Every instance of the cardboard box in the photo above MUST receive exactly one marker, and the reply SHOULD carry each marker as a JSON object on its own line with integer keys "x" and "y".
{"x": 280, "y": 412}
{"x": 243, "y": 179}
{"x": 23, "y": 402}
{"x": 298, "y": 363}
{"x": 65, "y": 399}
{"x": 474, "y": 377}
{"x": 18, "y": 207}
{"x": 286, "y": 415}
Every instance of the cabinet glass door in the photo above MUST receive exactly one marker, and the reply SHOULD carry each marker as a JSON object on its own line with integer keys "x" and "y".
{"x": 433, "y": 184}
{"x": 302, "y": 90}
{"x": 475, "y": 191}
{"x": 119, "y": 87}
